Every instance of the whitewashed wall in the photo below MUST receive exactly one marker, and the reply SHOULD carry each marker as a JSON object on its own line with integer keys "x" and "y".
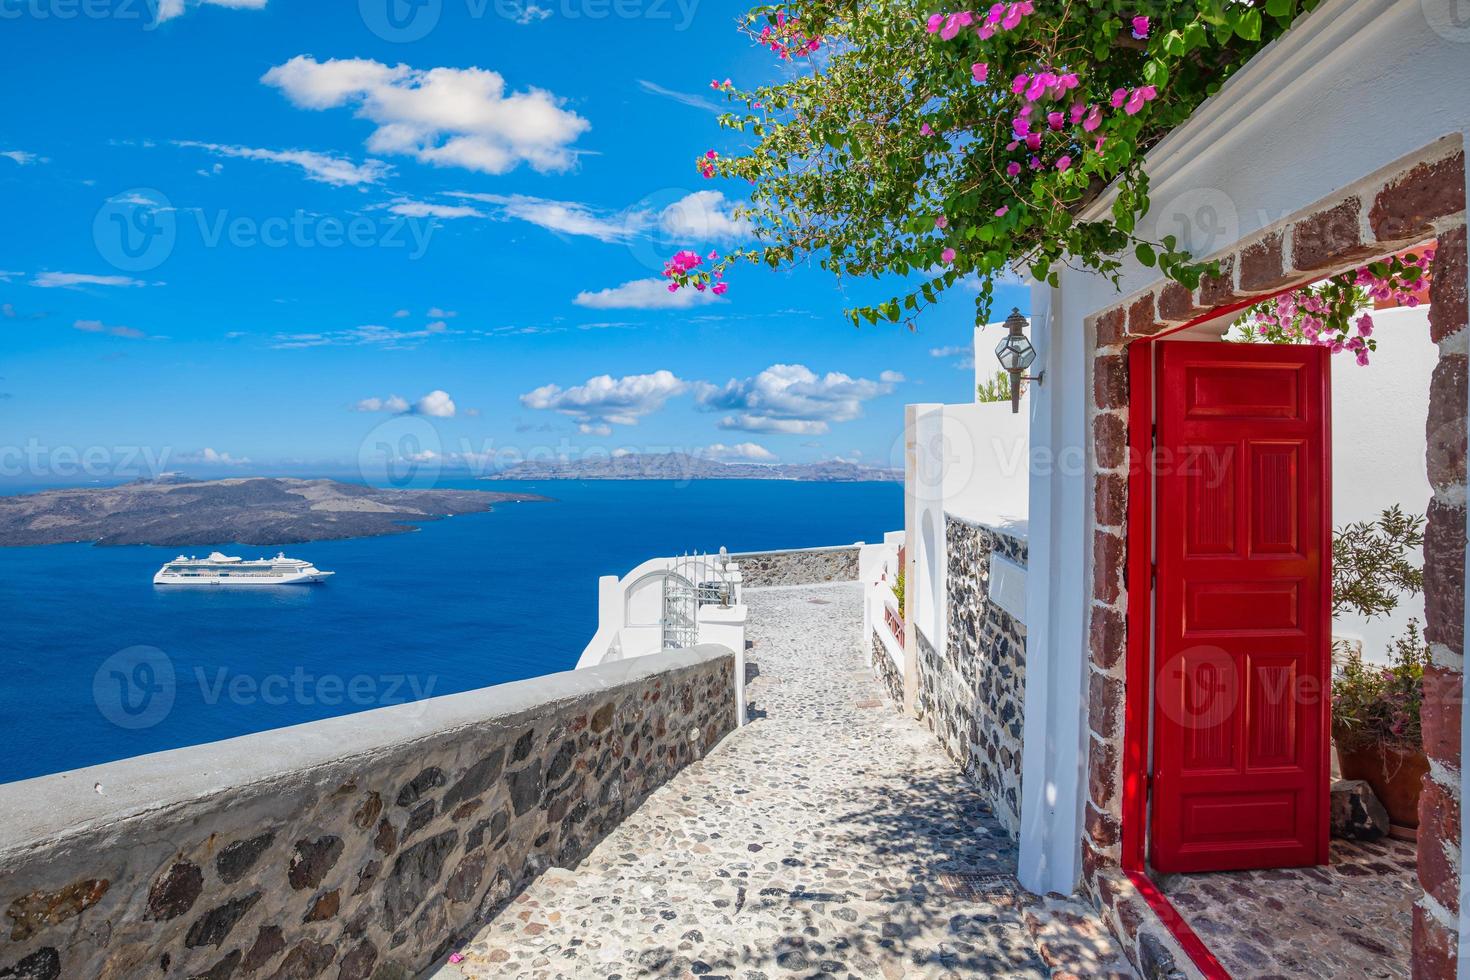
{"x": 1378, "y": 418}
{"x": 1284, "y": 133}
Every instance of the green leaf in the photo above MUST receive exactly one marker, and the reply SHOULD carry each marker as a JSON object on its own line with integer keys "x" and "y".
{"x": 1145, "y": 253}
{"x": 1250, "y": 25}
{"x": 1278, "y": 8}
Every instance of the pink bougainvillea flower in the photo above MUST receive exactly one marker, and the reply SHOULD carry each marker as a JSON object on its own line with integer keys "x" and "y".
{"x": 1068, "y": 81}
{"x": 955, "y": 23}
{"x": 1013, "y": 168}
{"x": 1120, "y": 95}
{"x": 720, "y": 288}
{"x": 986, "y": 31}
{"x": 1036, "y": 163}
{"x": 936, "y": 21}
{"x": 941, "y": 222}
{"x": 926, "y": 130}
{"x": 1013, "y": 16}
{"x": 673, "y": 287}
{"x": 1055, "y": 120}
{"x": 997, "y": 11}
{"x": 1093, "y": 119}
{"x": 711, "y": 154}
{"x": 1019, "y": 85}
{"x": 1064, "y": 163}
{"x": 1365, "y": 325}
{"x": 1076, "y": 112}
{"x": 1033, "y": 141}
{"x": 1140, "y": 28}
{"x": 947, "y": 256}
{"x": 1000, "y": 212}
{"x": 980, "y": 70}
{"x": 456, "y": 957}
{"x": 1021, "y": 125}
{"x": 1011, "y": 146}
{"x": 1099, "y": 144}
{"x": 713, "y": 254}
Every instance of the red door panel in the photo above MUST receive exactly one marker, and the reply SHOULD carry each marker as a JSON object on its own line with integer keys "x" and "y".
{"x": 1240, "y": 772}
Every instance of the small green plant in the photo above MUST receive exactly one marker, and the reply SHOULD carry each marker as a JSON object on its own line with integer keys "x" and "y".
{"x": 997, "y": 389}
{"x": 1371, "y": 566}
{"x": 1374, "y": 704}
{"x": 898, "y": 591}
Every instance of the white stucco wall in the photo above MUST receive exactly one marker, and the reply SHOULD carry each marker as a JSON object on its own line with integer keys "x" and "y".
{"x": 1286, "y": 132}
{"x": 1378, "y": 443}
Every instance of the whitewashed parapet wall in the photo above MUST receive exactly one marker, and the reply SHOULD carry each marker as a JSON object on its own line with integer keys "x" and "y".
{"x": 355, "y": 847}
{"x": 630, "y": 614}
{"x": 800, "y": 566}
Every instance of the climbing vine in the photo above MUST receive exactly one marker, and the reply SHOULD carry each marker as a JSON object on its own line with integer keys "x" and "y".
{"x": 940, "y": 145}
{"x": 1337, "y": 312}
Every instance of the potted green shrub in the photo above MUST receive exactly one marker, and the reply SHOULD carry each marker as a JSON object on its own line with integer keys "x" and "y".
{"x": 1375, "y": 707}
{"x": 1375, "y": 724}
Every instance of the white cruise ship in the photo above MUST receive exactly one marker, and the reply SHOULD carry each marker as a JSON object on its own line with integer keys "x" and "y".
{"x": 220, "y": 569}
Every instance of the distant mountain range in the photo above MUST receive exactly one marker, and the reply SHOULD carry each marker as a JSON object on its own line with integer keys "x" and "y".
{"x": 684, "y": 466}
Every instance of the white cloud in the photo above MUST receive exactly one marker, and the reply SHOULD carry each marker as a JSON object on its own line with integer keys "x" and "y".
{"x": 703, "y": 216}
{"x": 791, "y": 399}
{"x": 436, "y": 403}
{"x": 368, "y": 335}
{"x": 169, "y": 9}
{"x": 422, "y": 209}
{"x": 337, "y": 171}
{"x": 401, "y": 314}
{"x": 748, "y": 451}
{"x": 697, "y": 101}
{"x": 530, "y": 13}
{"x": 605, "y": 401}
{"x": 566, "y": 217}
{"x": 892, "y": 377}
{"x": 69, "y": 280}
{"x": 963, "y": 356}
{"x": 447, "y": 117}
{"x": 393, "y": 403}
{"x": 97, "y": 326}
{"x": 645, "y": 294}
{"x": 7, "y": 276}
{"x": 21, "y": 157}
{"x": 435, "y": 313}
{"x": 210, "y": 457}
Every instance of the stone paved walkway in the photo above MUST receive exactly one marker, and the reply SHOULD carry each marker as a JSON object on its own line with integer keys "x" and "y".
{"x": 1353, "y": 918}
{"x": 828, "y": 838}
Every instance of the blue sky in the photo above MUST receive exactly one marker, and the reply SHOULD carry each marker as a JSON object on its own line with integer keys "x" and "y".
{"x": 272, "y": 230}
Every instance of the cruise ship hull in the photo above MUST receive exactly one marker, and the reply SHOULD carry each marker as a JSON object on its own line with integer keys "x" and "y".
{"x": 241, "y": 581}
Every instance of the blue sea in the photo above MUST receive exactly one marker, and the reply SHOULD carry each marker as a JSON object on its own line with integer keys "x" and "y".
{"x": 97, "y": 664}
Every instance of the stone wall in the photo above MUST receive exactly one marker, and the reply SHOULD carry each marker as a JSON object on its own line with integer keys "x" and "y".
{"x": 887, "y": 673}
{"x": 972, "y": 694}
{"x": 356, "y": 847}
{"x": 811, "y": 566}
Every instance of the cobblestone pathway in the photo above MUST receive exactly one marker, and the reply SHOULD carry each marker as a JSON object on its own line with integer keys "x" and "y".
{"x": 1353, "y": 918}
{"x": 816, "y": 841}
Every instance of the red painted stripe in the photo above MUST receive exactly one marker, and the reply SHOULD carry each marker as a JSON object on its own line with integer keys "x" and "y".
{"x": 1203, "y": 959}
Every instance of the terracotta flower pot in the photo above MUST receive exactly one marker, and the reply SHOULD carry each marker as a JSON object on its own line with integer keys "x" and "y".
{"x": 1396, "y": 776}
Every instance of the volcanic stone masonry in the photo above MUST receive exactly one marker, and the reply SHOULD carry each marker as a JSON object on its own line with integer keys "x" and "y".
{"x": 886, "y": 672}
{"x": 373, "y": 865}
{"x": 971, "y": 695}
{"x": 808, "y": 567}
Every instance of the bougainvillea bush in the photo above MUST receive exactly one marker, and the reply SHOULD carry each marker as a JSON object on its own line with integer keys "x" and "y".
{"x": 1337, "y": 312}
{"x": 1375, "y": 704}
{"x": 936, "y": 143}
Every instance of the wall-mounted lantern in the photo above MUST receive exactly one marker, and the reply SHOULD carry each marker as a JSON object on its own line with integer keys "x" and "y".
{"x": 1016, "y": 354}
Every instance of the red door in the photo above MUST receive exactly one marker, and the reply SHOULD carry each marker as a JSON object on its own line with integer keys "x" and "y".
{"x": 1242, "y": 620}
